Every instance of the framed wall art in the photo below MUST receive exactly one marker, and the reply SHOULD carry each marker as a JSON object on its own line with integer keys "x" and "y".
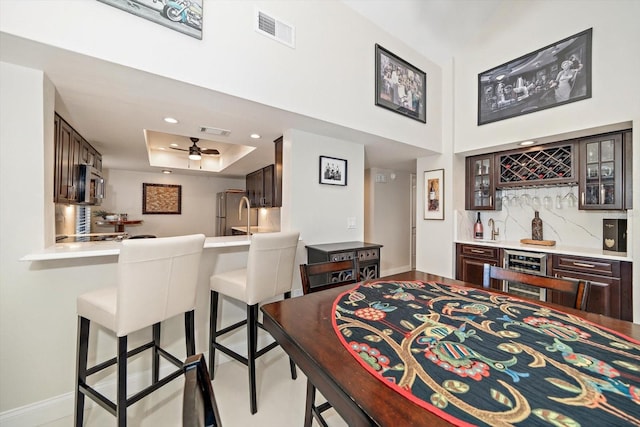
{"x": 161, "y": 199}
{"x": 182, "y": 16}
{"x": 554, "y": 75}
{"x": 333, "y": 171}
{"x": 434, "y": 194}
{"x": 400, "y": 86}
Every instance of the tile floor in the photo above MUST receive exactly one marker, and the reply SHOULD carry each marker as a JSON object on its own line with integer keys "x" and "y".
{"x": 280, "y": 399}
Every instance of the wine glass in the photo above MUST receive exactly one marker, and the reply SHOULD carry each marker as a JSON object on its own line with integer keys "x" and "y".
{"x": 571, "y": 198}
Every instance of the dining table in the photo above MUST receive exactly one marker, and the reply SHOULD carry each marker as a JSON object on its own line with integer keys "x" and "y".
{"x": 462, "y": 355}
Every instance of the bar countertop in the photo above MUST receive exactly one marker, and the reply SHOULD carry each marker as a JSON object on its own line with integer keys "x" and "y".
{"x": 112, "y": 248}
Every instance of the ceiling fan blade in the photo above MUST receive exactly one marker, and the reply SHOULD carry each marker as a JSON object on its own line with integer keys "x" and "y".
{"x": 210, "y": 151}
{"x": 176, "y": 148}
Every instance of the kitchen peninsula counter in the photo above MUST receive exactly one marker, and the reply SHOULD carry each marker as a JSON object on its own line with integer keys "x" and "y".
{"x": 112, "y": 248}
{"x": 557, "y": 249}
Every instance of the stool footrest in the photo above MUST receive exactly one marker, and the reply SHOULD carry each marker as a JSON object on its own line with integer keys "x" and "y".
{"x": 99, "y": 367}
{"x": 230, "y": 328}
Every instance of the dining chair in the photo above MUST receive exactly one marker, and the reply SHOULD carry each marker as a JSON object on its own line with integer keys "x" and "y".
{"x": 269, "y": 273}
{"x": 318, "y": 277}
{"x": 577, "y": 291}
{"x": 156, "y": 280}
{"x": 199, "y": 406}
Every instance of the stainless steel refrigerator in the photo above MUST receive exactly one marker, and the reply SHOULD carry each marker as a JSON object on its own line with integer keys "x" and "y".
{"x": 227, "y": 212}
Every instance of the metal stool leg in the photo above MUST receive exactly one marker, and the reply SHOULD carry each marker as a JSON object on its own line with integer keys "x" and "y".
{"x": 81, "y": 368}
{"x": 121, "y": 406}
{"x": 155, "y": 369}
{"x": 189, "y": 332}
{"x": 213, "y": 322}
{"x": 252, "y": 341}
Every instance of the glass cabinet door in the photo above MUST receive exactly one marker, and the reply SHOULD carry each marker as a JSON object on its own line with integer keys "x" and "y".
{"x": 480, "y": 183}
{"x": 601, "y": 174}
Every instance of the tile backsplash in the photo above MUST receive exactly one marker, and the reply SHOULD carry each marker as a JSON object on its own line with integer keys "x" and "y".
{"x": 562, "y": 221}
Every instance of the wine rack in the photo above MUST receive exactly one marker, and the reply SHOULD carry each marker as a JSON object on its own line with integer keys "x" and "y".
{"x": 552, "y": 165}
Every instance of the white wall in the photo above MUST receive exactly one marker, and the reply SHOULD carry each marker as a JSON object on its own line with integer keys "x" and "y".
{"x": 317, "y": 210}
{"x": 388, "y": 217}
{"x": 334, "y": 50}
{"x": 124, "y": 195}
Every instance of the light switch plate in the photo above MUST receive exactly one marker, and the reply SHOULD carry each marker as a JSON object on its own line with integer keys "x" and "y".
{"x": 351, "y": 222}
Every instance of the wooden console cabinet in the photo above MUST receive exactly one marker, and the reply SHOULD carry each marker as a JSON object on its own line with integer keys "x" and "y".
{"x": 367, "y": 256}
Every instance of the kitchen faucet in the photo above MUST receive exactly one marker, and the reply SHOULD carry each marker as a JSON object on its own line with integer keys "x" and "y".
{"x": 245, "y": 200}
{"x": 494, "y": 232}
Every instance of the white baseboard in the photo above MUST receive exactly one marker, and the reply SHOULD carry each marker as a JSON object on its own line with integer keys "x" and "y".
{"x": 396, "y": 270}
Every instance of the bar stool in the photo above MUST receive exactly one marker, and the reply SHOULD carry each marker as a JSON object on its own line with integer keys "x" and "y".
{"x": 269, "y": 273}
{"x": 156, "y": 280}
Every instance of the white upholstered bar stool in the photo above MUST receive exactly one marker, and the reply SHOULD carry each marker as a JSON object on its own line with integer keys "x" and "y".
{"x": 269, "y": 273}
{"x": 156, "y": 280}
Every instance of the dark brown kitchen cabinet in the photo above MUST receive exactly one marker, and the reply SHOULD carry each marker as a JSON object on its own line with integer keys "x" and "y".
{"x": 260, "y": 187}
{"x": 480, "y": 188}
{"x": 628, "y": 169}
{"x": 610, "y": 283}
{"x": 470, "y": 260}
{"x": 65, "y": 145}
{"x": 277, "y": 177}
{"x": 70, "y": 150}
{"x": 601, "y": 173}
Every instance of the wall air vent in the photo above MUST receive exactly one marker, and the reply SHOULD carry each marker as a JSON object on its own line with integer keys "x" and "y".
{"x": 215, "y": 131}
{"x": 275, "y": 29}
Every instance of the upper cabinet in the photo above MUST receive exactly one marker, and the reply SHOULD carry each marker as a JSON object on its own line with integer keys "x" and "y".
{"x": 71, "y": 150}
{"x": 601, "y": 166}
{"x": 264, "y": 186}
{"x": 480, "y": 186}
{"x": 601, "y": 172}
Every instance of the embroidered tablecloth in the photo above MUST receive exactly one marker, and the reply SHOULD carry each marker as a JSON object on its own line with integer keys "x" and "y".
{"x": 479, "y": 358}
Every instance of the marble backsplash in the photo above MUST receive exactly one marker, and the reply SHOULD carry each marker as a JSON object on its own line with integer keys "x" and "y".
{"x": 562, "y": 221}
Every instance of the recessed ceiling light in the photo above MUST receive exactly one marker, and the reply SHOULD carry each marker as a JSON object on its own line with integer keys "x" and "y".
{"x": 161, "y": 148}
{"x": 173, "y": 144}
{"x": 167, "y": 171}
{"x": 527, "y": 143}
{"x": 255, "y": 136}
{"x": 171, "y": 120}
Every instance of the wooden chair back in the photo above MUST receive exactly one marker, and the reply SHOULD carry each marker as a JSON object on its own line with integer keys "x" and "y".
{"x": 577, "y": 290}
{"x": 199, "y": 404}
{"x": 325, "y": 275}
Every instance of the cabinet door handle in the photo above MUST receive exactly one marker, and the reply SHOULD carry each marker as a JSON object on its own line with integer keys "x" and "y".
{"x": 490, "y": 200}
{"x": 582, "y": 264}
{"x": 582, "y": 197}
{"x": 477, "y": 251}
{"x": 602, "y": 194}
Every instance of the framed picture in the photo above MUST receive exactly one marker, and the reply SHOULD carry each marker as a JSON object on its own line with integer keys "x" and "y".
{"x": 185, "y": 17}
{"x": 333, "y": 171}
{"x": 400, "y": 86}
{"x": 165, "y": 199}
{"x": 554, "y": 75}
{"x": 434, "y": 194}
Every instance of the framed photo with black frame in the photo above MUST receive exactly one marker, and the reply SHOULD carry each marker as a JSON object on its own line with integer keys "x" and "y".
{"x": 434, "y": 194}
{"x": 554, "y": 75}
{"x": 400, "y": 86}
{"x": 333, "y": 171}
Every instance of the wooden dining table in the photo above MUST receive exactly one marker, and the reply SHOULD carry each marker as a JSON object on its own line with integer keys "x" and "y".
{"x": 303, "y": 328}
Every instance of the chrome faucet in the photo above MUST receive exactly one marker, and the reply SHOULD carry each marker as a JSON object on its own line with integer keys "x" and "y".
{"x": 245, "y": 201}
{"x": 494, "y": 232}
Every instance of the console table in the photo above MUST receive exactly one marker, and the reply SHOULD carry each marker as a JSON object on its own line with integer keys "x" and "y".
{"x": 367, "y": 256}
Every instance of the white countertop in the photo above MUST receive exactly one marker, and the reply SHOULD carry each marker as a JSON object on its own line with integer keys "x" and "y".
{"x": 112, "y": 248}
{"x": 557, "y": 249}
{"x": 254, "y": 229}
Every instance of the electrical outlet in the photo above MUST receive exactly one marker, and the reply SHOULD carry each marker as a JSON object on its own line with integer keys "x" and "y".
{"x": 351, "y": 222}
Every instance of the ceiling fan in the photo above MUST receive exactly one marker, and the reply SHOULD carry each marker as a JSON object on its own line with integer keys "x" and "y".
{"x": 195, "y": 152}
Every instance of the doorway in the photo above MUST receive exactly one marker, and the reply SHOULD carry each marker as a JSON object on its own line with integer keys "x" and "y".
{"x": 412, "y": 210}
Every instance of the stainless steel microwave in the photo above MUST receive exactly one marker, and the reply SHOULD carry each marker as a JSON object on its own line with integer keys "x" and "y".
{"x": 90, "y": 185}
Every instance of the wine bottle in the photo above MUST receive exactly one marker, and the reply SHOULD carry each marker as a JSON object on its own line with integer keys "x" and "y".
{"x": 478, "y": 232}
{"x": 536, "y": 227}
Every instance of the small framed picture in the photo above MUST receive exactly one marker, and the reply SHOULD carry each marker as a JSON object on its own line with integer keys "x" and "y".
{"x": 434, "y": 194}
{"x": 400, "y": 86}
{"x": 333, "y": 171}
{"x": 161, "y": 199}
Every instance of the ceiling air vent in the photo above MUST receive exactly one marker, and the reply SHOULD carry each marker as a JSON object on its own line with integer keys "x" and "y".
{"x": 215, "y": 131}
{"x": 275, "y": 29}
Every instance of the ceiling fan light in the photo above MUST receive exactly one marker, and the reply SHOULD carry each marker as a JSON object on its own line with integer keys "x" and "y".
{"x": 195, "y": 156}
